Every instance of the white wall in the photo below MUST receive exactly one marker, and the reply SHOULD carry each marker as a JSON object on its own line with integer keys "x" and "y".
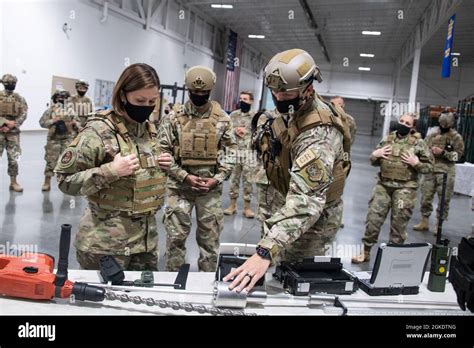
{"x": 251, "y": 82}
{"x": 39, "y": 49}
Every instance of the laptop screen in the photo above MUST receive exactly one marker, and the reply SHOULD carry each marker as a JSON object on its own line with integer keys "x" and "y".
{"x": 400, "y": 265}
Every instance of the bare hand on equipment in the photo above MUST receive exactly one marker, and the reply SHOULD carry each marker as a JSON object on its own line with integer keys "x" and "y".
{"x": 247, "y": 275}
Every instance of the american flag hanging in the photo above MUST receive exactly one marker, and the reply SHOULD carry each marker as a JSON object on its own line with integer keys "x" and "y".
{"x": 232, "y": 76}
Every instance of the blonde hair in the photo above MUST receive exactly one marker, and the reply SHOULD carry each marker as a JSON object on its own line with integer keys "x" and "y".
{"x": 133, "y": 78}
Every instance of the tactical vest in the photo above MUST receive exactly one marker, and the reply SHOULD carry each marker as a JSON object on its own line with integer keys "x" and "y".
{"x": 142, "y": 192}
{"x": 198, "y": 139}
{"x": 278, "y": 169}
{"x": 393, "y": 168}
{"x": 9, "y": 106}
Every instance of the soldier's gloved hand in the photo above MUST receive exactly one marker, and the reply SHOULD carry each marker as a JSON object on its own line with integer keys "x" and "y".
{"x": 383, "y": 152}
{"x": 125, "y": 165}
{"x": 410, "y": 159}
{"x": 206, "y": 184}
{"x": 164, "y": 161}
{"x": 4, "y": 129}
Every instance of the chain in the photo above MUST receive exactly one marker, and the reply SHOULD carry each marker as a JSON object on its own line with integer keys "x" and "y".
{"x": 186, "y": 306}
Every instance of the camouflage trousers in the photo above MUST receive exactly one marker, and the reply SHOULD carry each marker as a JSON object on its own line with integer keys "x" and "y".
{"x": 245, "y": 172}
{"x": 177, "y": 221}
{"x": 52, "y": 150}
{"x": 315, "y": 241}
{"x": 11, "y": 143}
{"x": 135, "y": 262}
{"x": 400, "y": 201}
{"x": 433, "y": 183}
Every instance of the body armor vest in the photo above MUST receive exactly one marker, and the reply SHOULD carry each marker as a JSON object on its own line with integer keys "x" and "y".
{"x": 9, "y": 107}
{"x": 139, "y": 193}
{"x": 198, "y": 139}
{"x": 393, "y": 168}
{"x": 276, "y": 147}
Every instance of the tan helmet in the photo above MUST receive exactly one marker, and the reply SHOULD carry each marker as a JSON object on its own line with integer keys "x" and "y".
{"x": 446, "y": 120}
{"x": 9, "y": 78}
{"x": 200, "y": 78}
{"x": 291, "y": 70}
{"x": 82, "y": 83}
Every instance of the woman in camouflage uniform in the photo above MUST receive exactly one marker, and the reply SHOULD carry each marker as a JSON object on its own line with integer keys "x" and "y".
{"x": 115, "y": 162}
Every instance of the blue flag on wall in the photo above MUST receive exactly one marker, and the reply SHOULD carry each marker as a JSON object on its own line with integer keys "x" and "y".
{"x": 448, "y": 47}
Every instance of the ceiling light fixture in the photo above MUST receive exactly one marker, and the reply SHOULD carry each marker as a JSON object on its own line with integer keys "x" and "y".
{"x": 363, "y": 68}
{"x": 252, "y": 36}
{"x": 221, "y": 6}
{"x": 455, "y": 54}
{"x": 368, "y": 55}
{"x": 368, "y": 32}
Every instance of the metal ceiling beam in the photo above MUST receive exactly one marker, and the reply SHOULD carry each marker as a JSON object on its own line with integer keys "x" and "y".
{"x": 314, "y": 25}
{"x": 436, "y": 14}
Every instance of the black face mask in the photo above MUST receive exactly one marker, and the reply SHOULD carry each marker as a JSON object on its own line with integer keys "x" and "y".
{"x": 444, "y": 130}
{"x": 9, "y": 87}
{"x": 402, "y": 129}
{"x": 199, "y": 100}
{"x": 245, "y": 107}
{"x": 283, "y": 106}
{"x": 60, "y": 101}
{"x": 81, "y": 93}
{"x": 138, "y": 113}
{"x": 167, "y": 112}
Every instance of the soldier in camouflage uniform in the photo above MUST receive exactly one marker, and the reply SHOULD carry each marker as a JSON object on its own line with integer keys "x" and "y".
{"x": 245, "y": 165}
{"x": 312, "y": 142}
{"x": 337, "y": 100}
{"x": 197, "y": 135}
{"x": 81, "y": 104}
{"x": 13, "y": 109}
{"x": 60, "y": 122}
{"x": 402, "y": 156}
{"x": 447, "y": 146}
{"x": 115, "y": 162}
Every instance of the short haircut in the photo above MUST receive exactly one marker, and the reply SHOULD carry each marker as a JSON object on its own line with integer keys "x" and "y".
{"x": 250, "y": 94}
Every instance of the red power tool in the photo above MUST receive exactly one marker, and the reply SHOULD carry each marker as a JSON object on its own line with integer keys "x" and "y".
{"x": 31, "y": 276}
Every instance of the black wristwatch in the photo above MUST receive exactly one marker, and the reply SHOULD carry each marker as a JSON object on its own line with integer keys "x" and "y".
{"x": 264, "y": 252}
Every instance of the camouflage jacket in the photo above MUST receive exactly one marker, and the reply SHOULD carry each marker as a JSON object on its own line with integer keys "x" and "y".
{"x": 311, "y": 176}
{"x": 85, "y": 168}
{"x": 170, "y": 135}
{"x": 21, "y": 109}
{"x": 82, "y": 107}
{"x": 424, "y": 166}
{"x": 65, "y": 114}
{"x": 452, "y": 141}
{"x": 240, "y": 119}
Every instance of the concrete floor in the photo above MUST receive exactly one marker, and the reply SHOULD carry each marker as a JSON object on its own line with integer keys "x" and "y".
{"x": 33, "y": 218}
